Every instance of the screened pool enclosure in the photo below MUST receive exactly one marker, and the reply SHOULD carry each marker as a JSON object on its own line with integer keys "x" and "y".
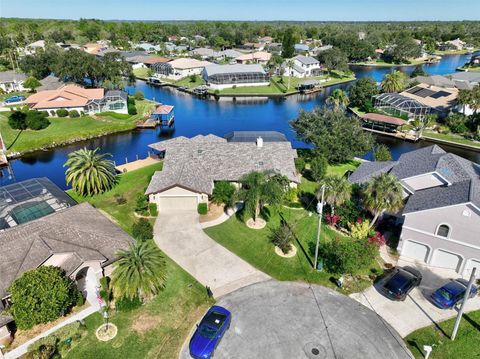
{"x": 400, "y": 106}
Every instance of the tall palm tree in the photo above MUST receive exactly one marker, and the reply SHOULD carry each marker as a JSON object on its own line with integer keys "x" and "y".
{"x": 290, "y": 65}
{"x": 394, "y": 82}
{"x": 470, "y": 98}
{"x": 260, "y": 188}
{"x": 140, "y": 271}
{"x": 337, "y": 191}
{"x": 90, "y": 172}
{"x": 338, "y": 99}
{"x": 420, "y": 124}
{"x": 382, "y": 193}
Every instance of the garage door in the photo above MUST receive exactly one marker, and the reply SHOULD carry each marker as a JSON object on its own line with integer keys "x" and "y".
{"x": 415, "y": 250}
{"x": 472, "y": 263}
{"x": 177, "y": 203}
{"x": 444, "y": 259}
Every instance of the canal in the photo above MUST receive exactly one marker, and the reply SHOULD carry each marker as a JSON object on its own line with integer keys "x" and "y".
{"x": 196, "y": 116}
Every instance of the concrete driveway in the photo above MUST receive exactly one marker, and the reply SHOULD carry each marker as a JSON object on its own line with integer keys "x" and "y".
{"x": 179, "y": 235}
{"x": 292, "y": 320}
{"x": 416, "y": 311}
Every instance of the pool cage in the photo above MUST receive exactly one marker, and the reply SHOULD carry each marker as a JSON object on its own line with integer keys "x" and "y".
{"x": 401, "y": 106}
{"x": 113, "y": 100}
{"x": 162, "y": 68}
{"x": 227, "y": 78}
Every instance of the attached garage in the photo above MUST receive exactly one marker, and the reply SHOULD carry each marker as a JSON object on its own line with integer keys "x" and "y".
{"x": 445, "y": 259}
{"x": 472, "y": 263}
{"x": 415, "y": 250}
{"x": 177, "y": 203}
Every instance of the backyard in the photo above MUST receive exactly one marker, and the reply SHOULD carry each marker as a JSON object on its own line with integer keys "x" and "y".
{"x": 450, "y": 137}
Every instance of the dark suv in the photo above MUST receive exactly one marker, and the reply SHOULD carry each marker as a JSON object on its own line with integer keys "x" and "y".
{"x": 400, "y": 282}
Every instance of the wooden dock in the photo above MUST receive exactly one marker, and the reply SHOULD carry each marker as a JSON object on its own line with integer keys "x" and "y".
{"x": 399, "y": 135}
{"x": 135, "y": 165}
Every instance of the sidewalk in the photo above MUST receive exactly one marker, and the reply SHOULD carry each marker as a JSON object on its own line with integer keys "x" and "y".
{"x": 224, "y": 217}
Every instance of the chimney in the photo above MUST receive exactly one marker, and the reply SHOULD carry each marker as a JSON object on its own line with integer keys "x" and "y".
{"x": 259, "y": 142}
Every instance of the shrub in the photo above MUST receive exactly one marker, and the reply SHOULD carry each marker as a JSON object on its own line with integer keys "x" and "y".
{"x": 62, "y": 112}
{"x": 382, "y": 153}
{"x": 443, "y": 130}
{"x": 17, "y": 120}
{"x": 291, "y": 196}
{"x": 457, "y": 123}
{"x": 361, "y": 229}
{"x": 120, "y": 199}
{"x": 139, "y": 96}
{"x": 73, "y": 114}
{"x": 132, "y": 109}
{"x": 318, "y": 166}
{"x": 141, "y": 205}
{"x": 202, "y": 208}
{"x": 332, "y": 220}
{"x": 378, "y": 239}
{"x": 37, "y": 120}
{"x": 223, "y": 193}
{"x": 126, "y": 304}
{"x": 300, "y": 164}
{"x": 152, "y": 207}
{"x": 142, "y": 230}
{"x": 282, "y": 237}
{"x": 41, "y": 295}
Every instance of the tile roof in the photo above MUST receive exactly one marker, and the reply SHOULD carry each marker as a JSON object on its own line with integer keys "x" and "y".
{"x": 80, "y": 230}
{"x": 197, "y": 162}
{"x": 66, "y": 96}
{"x": 186, "y": 63}
{"x": 259, "y": 56}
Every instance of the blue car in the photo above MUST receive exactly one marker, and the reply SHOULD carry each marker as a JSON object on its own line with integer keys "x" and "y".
{"x": 209, "y": 332}
{"x": 14, "y": 99}
{"x": 451, "y": 293}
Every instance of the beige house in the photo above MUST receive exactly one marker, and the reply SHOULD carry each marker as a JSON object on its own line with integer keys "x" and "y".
{"x": 193, "y": 165}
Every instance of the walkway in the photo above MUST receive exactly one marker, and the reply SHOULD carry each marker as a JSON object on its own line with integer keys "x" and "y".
{"x": 181, "y": 237}
{"x": 22, "y": 349}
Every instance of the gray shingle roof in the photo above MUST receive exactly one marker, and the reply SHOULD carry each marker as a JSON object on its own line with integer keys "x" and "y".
{"x": 197, "y": 162}
{"x": 307, "y": 60}
{"x": 50, "y": 83}
{"x": 9, "y": 76}
{"x": 368, "y": 170}
{"x": 418, "y": 162}
{"x": 80, "y": 230}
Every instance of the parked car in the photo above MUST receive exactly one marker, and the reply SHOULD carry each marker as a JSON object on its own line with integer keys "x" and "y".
{"x": 209, "y": 332}
{"x": 14, "y": 99}
{"x": 400, "y": 282}
{"x": 451, "y": 293}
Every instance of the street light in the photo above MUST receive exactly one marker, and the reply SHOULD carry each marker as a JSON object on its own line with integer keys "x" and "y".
{"x": 319, "y": 229}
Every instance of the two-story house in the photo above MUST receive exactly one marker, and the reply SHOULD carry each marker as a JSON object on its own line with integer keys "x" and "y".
{"x": 303, "y": 66}
{"x": 441, "y": 217}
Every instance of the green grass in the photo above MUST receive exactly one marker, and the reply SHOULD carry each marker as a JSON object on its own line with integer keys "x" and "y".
{"x": 186, "y": 82}
{"x": 450, "y": 137}
{"x": 382, "y": 63}
{"x": 341, "y": 169}
{"x": 141, "y": 72}
{"x": 10, "y": 94}
{"x": 470, "y": 68}
{"x": 159, "y": 328}
{"x": 453, "y": 52}
{"x": 66, "y": 129}
{"x": 254, "y": 246}
{"x": 465, "y": 345}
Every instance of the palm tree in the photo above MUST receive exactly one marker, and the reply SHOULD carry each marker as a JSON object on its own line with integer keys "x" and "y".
{"x": 338, "y": 99}
{"x": 464, "y": 98}
{"x": 90, "y": 172}
{"x": 260, "y": 188}
{"x": 337, "y": 191}
{"x": 383, "y": 193}
{"x": 420, "y": 124}
{"x": 394, "y": 82}
{"x": 140, "y": 271}
{"x": 290, "y": 65}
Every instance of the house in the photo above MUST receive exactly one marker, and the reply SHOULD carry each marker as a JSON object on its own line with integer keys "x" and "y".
{"x": 265, "y": 40}
{"x": 179, "y": 68}
{"x": 93, "y": 48}
{"x": 203, "y": 52}
{"x": 192, "y": 165}
{"x": 475, "y": 60}
{"x": 440, "y": 100}
{"x": 456, "y": 44}
{"x": 11, "y": 81}
{"x": 73, "y": 97}
{"x": 227, "y": 76}
{"x": 78, "y": 239}
{"x": 274, "y": 47}
{"x": 303, "y": 66}
{"x": 175, "y": 49}
{"x": 32, "y": 48}
{"x": 227, "y": 54}
{"x": 441, "y": 216}
{"x": 147, "y": 47}
{"x": 301, "y": 48}
{"x": 50, "y": 83}
{"x": 259, "y": 57}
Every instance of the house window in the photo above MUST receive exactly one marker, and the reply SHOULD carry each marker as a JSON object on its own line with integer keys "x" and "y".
{"x": 443, "y": 230}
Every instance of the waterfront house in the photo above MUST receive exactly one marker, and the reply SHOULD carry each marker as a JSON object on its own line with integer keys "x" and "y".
{"x": 192, "y": 165}
{"x": 179, "y": 68}
{"x": 303, "y": 66}
{"x": 441, "y": 216}
{"x": 227, "y": 76}
{"x": 11, "y": 81}
{"x": 73, "y": 97}
{"x": 259, "y": 57}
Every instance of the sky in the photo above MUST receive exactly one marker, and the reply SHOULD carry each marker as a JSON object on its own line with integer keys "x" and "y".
{"x": 307, "y": 10}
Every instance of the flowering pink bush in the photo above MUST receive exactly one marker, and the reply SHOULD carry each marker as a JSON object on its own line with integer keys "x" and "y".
{"x": 332, "y": 219}
{"x": 377, "y": 239}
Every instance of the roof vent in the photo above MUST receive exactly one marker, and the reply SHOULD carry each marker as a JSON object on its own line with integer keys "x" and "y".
{"x": 259, "y": 142}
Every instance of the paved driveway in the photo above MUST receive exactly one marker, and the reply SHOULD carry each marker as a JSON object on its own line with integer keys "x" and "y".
{"x": 180, "y": 236}
{"x": 416, "y": 311}
{"x": 289, "y": 320}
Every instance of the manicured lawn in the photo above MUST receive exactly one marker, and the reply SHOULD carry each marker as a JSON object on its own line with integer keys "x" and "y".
{"x": 253, "y": 90}
{"x": 465, "y": 344}
{"x": 450, "y": 137}
{"x": 454, "y": 52}
{"x": 382, "y": 63}
{"x": 67, "y": 129}
{"x": 141, "y": 73}
{"x": 341, "y": 169}
{"x": 187, "y": 82}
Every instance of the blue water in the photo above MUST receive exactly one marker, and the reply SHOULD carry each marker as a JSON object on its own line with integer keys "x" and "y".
{"x": 195, "y": 116}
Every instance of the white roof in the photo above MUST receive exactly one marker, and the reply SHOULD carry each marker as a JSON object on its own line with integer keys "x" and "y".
{"x": 186, "y": 63}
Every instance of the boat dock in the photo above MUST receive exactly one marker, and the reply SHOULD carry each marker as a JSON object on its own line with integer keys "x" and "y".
{"x": 162, "y": 116}
{"x": 139, "y": 163}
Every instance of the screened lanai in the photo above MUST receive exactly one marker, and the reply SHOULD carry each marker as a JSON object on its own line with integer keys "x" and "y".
{"x": 398, "y": 105}
{"x": 113, "y": 100}
{"x": 235, "y": 74}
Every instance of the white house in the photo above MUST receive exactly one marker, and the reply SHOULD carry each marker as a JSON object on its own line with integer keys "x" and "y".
{"x": 11, "y": 81}
{"x": 303, "y": 66}
{"x": 32, "y": 48}
{"x": 179, "y": 68}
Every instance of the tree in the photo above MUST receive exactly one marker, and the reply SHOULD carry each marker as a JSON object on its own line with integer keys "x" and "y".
{"x": 259, "y": 189}
{"x": 223, "y": 192}
{"x": 338, "y": 99}
{"x": 90, "y": 172}
{"x": 383, "y": 193}
{"x": 318, "y": 167}
{"x": 18, "y": 120}
{"x": 31, "y": 83}
{"x": 403, "y": 48}
{"x": 395, "y": 81}
{"x": 470, "y": 98}
{"x": 289, "y": 64}
{"x": 142, "y": 230}
{"x": 337, "y": 191}
{"x": 420, "y": 124}
{"x": 41, "y": 295}
{"x": 418, "y": 71}
{"x": 381, "y": 153}
{"x": 362, "y": 91}
{"x": 334, "y": 59}
{"x": 140, "y": 271}
{"x": 335, "y": 135}
{"x": 282, "y": 237}
{"x": 288, "y": 44}
{"x": 37, "y": 120}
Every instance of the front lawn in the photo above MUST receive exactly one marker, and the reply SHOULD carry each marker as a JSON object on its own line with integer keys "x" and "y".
{"x": 465, "y": 344}
{"x": 450, "y": 137}
{"x": 188, "y": 83}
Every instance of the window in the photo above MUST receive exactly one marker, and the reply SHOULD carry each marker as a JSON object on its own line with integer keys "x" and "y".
{"x": 443, "y": 230}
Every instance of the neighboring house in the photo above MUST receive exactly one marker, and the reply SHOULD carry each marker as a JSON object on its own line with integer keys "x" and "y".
{"x": 143, "y": 61}
{"x": 179, "y": 68}
{"x": 73, "y": 97}
{"x": 301, "y": 48}
{"x": 50, "y": 83}
{"x": 175, "y": 49}
{"x": 32, "y": 48}
{"x": 265, "y": 40}
{"x": 274, "y": 47}
{"x": 94, "y": 48}
{"x": 203, "y": 52}
{"x": 11, "y": 81}
{"x": 303, "y": 66}
{"x": 259, "y": 57}
{"x": 192, "y": 165}
{"x": 147, "y": 47}
{"x": 227, "y": 76}
{"x": 228, "y": 54}
{"x": 441, "y": 217}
